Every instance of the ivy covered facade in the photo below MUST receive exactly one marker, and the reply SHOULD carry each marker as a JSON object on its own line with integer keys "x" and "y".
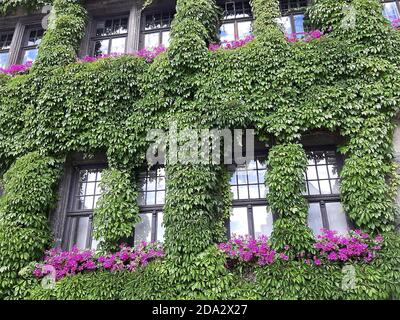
{"x": 73, "y": 143}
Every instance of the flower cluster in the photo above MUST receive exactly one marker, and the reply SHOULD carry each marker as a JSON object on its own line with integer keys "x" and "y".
{"x": 330, "y": 246}
{"x": 67, "y": 263}
{"x": 148, "y": 54}
{"x": 305, "y": 36}
{"x": 396, "y": 23}
{"x": 16, "y": 68}
{"x": 230, "y": 45}
{"x": 357, "y": 246}
{"x": 128, "y": 258}
{"x": 151, "y": 54}
{"x": 247, "y": 249}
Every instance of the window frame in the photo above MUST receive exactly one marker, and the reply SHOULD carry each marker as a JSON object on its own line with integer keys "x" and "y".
{"x": 7, "y": 50}
{"x": 291, "y": 12}
{"x": 159, "y": 31}
{"x": 235, "y": 20}
{"x": 94, "y": 38}
{"x": 322, "y": 199}
{"x": 153, "y": 209}
{"x": 69, "y": 237}
{"x": 397, "y": 3}
{"x": 25, "y": 39}
{"x": 249, "y": 203}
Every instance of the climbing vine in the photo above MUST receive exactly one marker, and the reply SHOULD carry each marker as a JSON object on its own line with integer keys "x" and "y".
{"x": 346, "y": 81}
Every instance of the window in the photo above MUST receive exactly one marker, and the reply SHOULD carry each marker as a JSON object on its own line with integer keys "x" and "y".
{"x": 237, "y": 20}
{"x": 156, "y": 29}
{"x": 32, "y": 38}
{"x": 110, "y": 36}
{"x": 151, "y": 204}
{"x": 322, "y": 192}
{"x": 391, "y": 10}
{"x": 5, "y": 44}
{"x": 84, "y": 194}
{"x": 292, "y": 20}
{"x": 250, "y": 215}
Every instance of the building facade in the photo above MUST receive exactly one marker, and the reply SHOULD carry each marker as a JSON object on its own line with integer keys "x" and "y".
{"x": 290, "y": 203}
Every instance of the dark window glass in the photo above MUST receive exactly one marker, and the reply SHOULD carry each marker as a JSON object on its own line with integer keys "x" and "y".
{"x": 110, "y": 36}
{"x": 286, "y": 5}
{"x": 5, "y": 40}
{"x": 237, "y": 21}
{"x": 156, "y": 29}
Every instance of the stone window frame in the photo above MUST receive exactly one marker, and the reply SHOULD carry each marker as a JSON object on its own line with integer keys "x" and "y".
{"x": 168, "y": 8}
{"x": 19, "y": 26}
{"x": 94, "y": 37}
{"x": 235, "y": 20}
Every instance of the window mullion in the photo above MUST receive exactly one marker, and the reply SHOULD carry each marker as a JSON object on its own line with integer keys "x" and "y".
{"x": 324, "y": 214}
{"x": 250, "y": 220}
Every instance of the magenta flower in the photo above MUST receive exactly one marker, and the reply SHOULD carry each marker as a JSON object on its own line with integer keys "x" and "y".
{"x": 16, "y": 68}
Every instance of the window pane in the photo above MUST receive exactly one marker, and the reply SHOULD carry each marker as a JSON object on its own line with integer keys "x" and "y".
{"x": 253, "y": 191}
{"x": 227, "y": 32}
{"x": 322, "y": 172}
{"x": 235, "y": 192}
{"x": 95, "y": 244}
{"x": 299, "y": 25}
{"x": 325, "y": 187}
{"x": 118, "y": 45}
{"x": 241, "y": 177}
{"x": 152, "y": 40}
{"x": 111, "y": 27}
{"x": 313, "y": 188}
{"x": 285, "y": 24}
{"x": 82, "y": 232}
{"x": 3, "y": 59}
{"x": 337, "y": 217}
{"x": 90, "y": 188}
{"x": 160, "y": 226}
{"x": 311, "y": 173}
{"x": 335, "y": 185}
{"x": 5, "y": 40}
{"x": 315, "y": 219}
{"x": 252, "y": 176}
{"x": 151, "y": 198}
{"x": 244, "y": 29}
{"x": 243, "y": 192}
{"x": 143, "y": 229}
{"x": 34, "y": 37}
{"x": 160, "y": 197}
{"x": 165, "y": 39}
{"x": 263, "y": 221}
{"x": 390, "y": 11}
{"x": 101, "y": 47}
{"x": 29, "y": 55}
{"x": 238, "y": 222}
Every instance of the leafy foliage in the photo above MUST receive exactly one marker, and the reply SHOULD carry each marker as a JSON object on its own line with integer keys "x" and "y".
{"x": 24, "y": 209}
{"x": 117, "y": 210}
{"x": 347, "y": 81}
